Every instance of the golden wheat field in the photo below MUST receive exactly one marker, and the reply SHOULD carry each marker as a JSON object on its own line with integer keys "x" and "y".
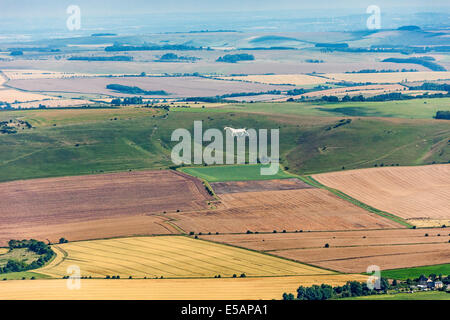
{"x": 167, "y": 289}
{"x": 389, "y": 77}
{"x": 420, "y": 193}
{"x": 3, "y": 250}
{"x": 169, "y": 257}
{"x": 295, "y": 79}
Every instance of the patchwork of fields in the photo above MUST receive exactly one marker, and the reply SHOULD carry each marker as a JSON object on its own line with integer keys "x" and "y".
{"x": 169, "y": 257}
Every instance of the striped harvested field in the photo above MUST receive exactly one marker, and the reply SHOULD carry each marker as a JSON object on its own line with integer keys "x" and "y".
{"x": 418, "y": 193}
{"x": 389, "y": 77}
{"x": 169, "y": 257}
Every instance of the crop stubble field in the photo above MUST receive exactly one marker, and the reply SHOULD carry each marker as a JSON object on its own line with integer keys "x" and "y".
{"x": 421, "y": 195}
{"x": 351, "y": 251}
{"x": 265, "y": 211}
{"x": 74, "y": 207}
{"x": 170, "y": 257}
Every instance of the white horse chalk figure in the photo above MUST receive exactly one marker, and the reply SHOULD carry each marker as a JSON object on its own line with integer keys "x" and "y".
{"x": 237, "y": 132}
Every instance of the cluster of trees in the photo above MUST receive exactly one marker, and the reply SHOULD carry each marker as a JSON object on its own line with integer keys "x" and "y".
{"x": 7, "y": 128}
{"x": 221, "y": 98}
{"x": 112, "y": 58}
{"x": 135, "y": 90}
{"x": 43, "y": 250}
{"x": 233, "y": 58}
{"x": 340, "y": 123}
{"x": 332, "y": 45}
{"x": 325, "y": 292}
{"x": 443, "y": 115}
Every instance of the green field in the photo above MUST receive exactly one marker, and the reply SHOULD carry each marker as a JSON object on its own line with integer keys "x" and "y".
{"x": 413, "y": 273}
{"x": 233, "y": 173}
{"x": 431, "y": 295}
{"x": 76, "y": 142}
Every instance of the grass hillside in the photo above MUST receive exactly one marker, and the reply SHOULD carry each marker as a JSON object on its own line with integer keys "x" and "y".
{"x": 75, "y": 142}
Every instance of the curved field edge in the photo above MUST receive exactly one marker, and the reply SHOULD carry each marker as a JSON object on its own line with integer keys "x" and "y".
{"x": 310, "y": 180}
{"x": 175, "y": 257}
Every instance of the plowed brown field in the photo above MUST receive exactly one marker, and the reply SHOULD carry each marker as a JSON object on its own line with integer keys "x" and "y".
{"x": 306, "y": 209}
{"x": 352, "y": 251}
{"x": 96, "y": 206}
{"x": 408, "y": 192}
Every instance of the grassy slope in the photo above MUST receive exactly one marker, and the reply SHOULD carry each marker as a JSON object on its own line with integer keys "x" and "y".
{"x": 138, "y": 140}
{"x": 410, "y": 109}
{"x": 412, "y": 273}
{"x": 433, "y": 295}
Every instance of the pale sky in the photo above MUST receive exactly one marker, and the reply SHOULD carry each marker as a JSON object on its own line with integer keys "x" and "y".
{"x": 24, "y": 8}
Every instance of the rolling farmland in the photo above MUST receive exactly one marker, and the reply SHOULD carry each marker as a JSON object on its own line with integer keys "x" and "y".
{"x": 414, "y": 193}
{"x": 303, "y": 209}
{"x": 233, "y": 173}
{"x": 351, "y": 251}
{"x": 167, "y": 289}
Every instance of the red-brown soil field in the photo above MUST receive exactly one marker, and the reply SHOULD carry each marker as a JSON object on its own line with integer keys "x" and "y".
{"x": 259, "y": 185}
{"x": 352, "y": 251}
{"x": 96, "y": 206}
{"x": 306, "y": 209}
{"x": 421, "y": 192}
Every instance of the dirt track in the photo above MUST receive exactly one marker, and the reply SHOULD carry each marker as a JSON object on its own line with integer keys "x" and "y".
{"x": 97, "y": 206}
